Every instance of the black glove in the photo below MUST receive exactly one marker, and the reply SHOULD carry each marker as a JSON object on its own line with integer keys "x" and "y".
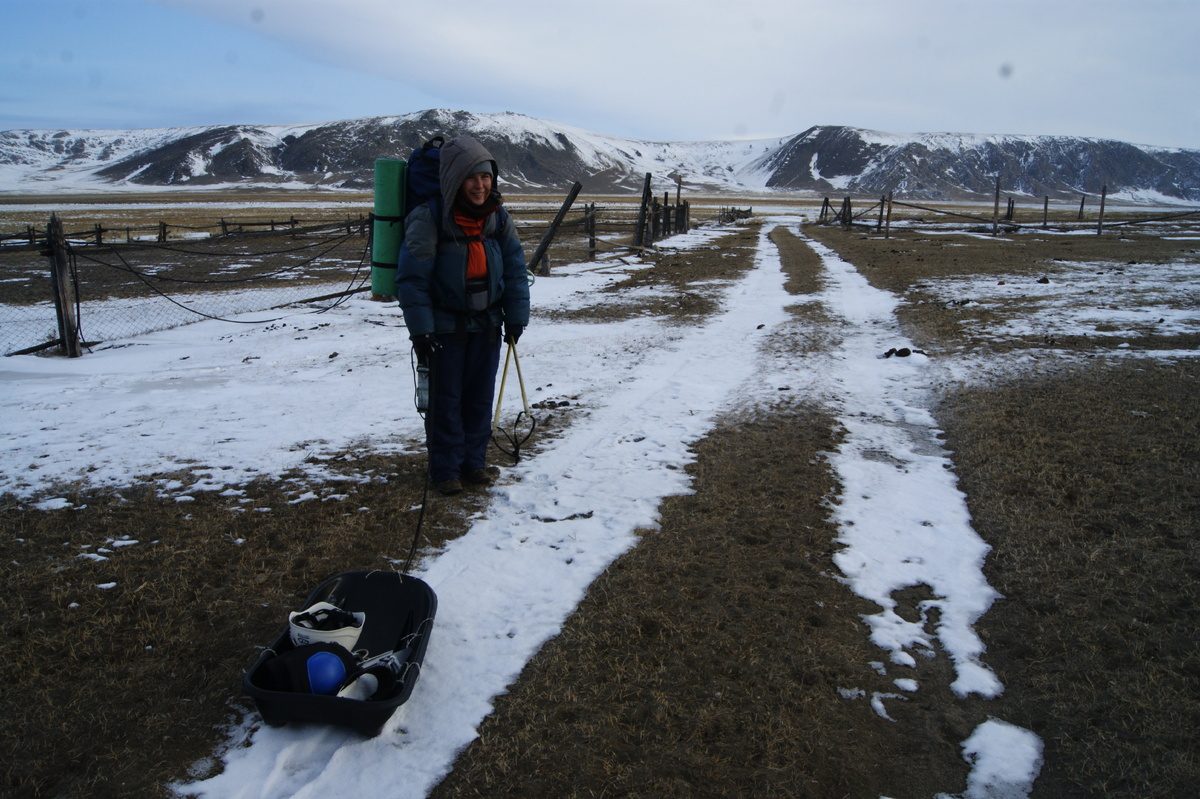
{"x": 425, "y": 346}
{"x": 512, "y": 333}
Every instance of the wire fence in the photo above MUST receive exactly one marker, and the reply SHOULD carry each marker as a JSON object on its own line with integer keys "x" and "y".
{"x": 129, "y": 289}
{"x": 163, "y": 231}
{"x": 129, "y": 281}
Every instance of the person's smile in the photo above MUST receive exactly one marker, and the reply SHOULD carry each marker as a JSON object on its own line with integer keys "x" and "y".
{"x": 477, "y": 187}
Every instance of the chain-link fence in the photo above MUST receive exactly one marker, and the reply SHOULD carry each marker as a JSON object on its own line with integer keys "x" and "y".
{"x": 125, "y": 290}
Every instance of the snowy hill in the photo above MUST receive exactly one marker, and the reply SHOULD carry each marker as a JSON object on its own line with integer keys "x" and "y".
{"x": 540, "y": 155}
{"x": 949, "y": 165}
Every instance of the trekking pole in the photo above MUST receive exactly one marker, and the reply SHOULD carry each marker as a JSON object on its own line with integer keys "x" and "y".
{"x": 515, "y": 452}
{"x": 500, "y": 394}
{"x": 520, "y": 380}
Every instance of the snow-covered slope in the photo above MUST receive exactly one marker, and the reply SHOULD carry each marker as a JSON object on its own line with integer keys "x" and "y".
{"x": 947, "y": 165}
{"x": 540, "y": 155}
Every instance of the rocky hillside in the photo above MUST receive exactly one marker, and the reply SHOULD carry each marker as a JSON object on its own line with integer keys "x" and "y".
{"x": 946, "y": 165}
{"x": 539, "y": 155}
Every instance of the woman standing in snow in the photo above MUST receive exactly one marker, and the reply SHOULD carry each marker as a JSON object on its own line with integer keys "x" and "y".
{"x": 461, "y": 281}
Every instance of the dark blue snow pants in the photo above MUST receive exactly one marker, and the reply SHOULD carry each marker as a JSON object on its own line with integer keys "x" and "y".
{"x": 458, "y": 425}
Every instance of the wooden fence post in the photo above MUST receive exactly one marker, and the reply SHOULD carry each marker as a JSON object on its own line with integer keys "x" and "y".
{"x": 882, "y": 203}
{"x": 887, "y": 230}
{"x": 590, "y": 226}
{"x": 1046, "y": 212}
{"x": 1082, "y": 197}
{"x": 639, "y": 233}
{"x": 996, "y": 210}
{"x": 1103, "y": 197}
{"x": 64, "y": 288}
{"x": 549, "y": 236}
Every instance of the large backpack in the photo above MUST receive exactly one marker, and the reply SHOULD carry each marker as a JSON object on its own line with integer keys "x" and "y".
{"x": 423, "y": 179}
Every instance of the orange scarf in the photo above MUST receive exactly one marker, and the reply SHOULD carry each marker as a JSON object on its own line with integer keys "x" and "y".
{"x": 476, "y": 257}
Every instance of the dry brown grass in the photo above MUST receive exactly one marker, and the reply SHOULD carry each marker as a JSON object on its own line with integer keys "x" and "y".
{"x": 1086, "y": 484}
{"x": 1084, "y": 479}
{"x": 114, "y": 692}
{"x": 906, "y": 262}
{"x": 708, "y": 661}
{"x": 192, "y": 209}
{"x": 705, "y": 662}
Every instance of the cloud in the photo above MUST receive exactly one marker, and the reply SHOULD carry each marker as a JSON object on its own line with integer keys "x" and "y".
{"x": 703, "y": 69}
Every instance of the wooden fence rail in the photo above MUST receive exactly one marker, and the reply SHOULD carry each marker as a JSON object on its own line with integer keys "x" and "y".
{"x": 662, "y": 219}
{"x": 161, "y": 232}
{"x": 844, "y": 216}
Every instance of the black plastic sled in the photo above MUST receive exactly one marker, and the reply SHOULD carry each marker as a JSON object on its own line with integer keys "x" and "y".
{"x": 392, "y": 639}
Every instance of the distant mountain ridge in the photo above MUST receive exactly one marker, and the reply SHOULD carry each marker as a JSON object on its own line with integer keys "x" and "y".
{"x": 537, "y": 155}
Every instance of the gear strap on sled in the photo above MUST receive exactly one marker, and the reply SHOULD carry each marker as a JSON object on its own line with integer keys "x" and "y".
{"x": 515, "y": 440}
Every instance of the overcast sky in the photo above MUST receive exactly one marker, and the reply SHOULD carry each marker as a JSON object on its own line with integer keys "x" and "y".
{"x": 661, "y": 70}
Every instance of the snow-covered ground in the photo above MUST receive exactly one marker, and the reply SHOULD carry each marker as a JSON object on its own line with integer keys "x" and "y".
{"x": 230, "y": 402}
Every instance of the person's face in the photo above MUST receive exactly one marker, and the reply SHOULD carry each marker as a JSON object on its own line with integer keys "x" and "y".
{"x": 477, "y": 187}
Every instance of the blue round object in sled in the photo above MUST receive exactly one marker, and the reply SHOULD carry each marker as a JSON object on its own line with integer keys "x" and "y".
{"x": 325, "y": 673}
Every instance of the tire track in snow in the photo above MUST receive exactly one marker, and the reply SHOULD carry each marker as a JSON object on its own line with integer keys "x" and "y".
{"x": 902, "y": 520}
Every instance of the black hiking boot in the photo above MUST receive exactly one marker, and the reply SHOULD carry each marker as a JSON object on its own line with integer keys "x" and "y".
{"x": 448, "y": 488}
{"x": 483, "y": 476}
